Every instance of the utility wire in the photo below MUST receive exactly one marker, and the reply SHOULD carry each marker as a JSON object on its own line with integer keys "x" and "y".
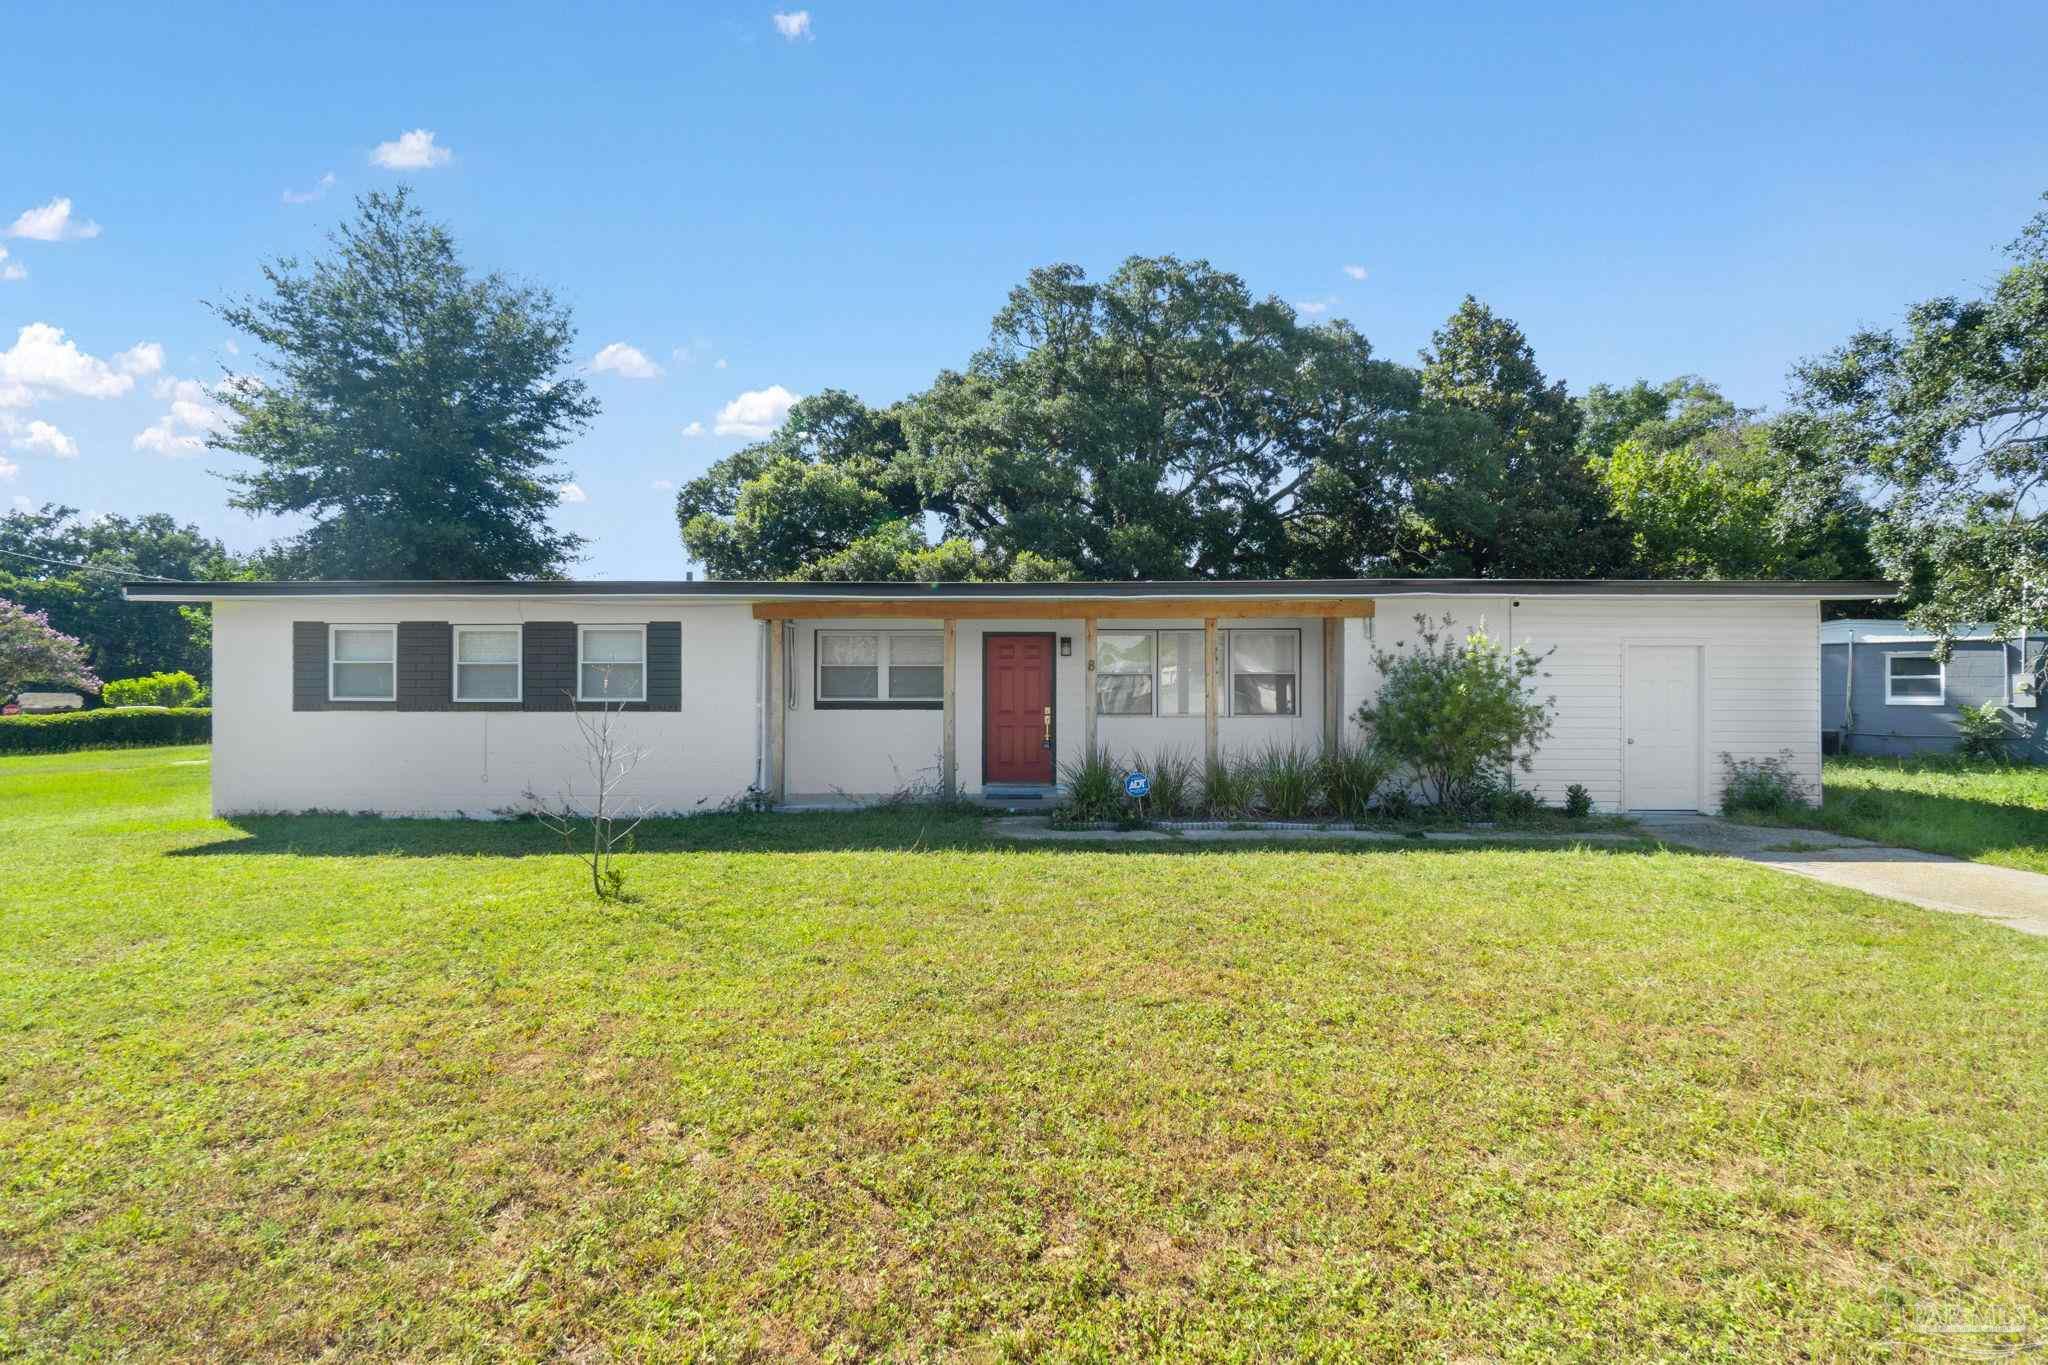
{"x": 88, "y": 568}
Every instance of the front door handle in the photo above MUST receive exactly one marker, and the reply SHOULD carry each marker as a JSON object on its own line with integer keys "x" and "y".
{"x": 1048, "y": 727}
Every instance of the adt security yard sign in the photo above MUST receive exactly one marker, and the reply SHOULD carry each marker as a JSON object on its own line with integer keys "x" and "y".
{"x": 1137, "y": 786}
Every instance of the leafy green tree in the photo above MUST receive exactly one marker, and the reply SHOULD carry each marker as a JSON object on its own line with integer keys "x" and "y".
{"x": 122, "y": 638}
{"x": 411, "y": 410}
{"x": 1163, "y": 423}
{"x": 1947, "y": 424}
{"x": 1658, "y": 418}
{"x": 1497, "y": 486}
{"x": 34, "y": 652}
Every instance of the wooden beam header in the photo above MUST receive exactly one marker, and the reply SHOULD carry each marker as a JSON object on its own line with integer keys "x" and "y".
{"x": 1065, "y": 608}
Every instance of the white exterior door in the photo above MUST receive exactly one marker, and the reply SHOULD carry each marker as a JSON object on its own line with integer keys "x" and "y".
{"x": 1661, "y": 728}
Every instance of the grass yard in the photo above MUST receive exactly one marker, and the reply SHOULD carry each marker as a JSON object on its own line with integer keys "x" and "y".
{"x": 875, "y": 1086}
{"x": 1977, "y": 811}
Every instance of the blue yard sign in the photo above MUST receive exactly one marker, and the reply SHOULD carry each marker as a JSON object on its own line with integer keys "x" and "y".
{"x": 1137, "y": 786}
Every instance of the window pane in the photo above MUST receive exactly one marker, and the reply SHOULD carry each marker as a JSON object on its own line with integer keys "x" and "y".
{"x": 916, "y": 684}
{"x": 486, "y": 682}
{"x": 917, "y": 649}
{"x": 1916, "y": 687}
{"x": 611, "y": 682}
{"x": 1183, "y": 674}
{"x": 487, "y": 646}
{"x": 1124, "y": 694}
{"x": 849, "y": 651}
{"x": 1262, "y": 651}
{"x": 363, "y": 682}
{"x": 1262, "y": 694}
{"x": 1123, "y": 652}
{"x": 611, "y": 646}
{"x": 353, "y": 646}
{"x": 1915, "y": 668}
{"x": 848, "y": 684}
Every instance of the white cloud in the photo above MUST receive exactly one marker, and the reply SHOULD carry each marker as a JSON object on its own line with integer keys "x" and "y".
{"x": 40, "y": 438}
{"x": 144, "y": 357}
{"x": 571, "y": 493}
{"x": 795, "y": 26}
{"x": 756, "y": 413}
{"x": 42, "y": 360}
{"x": 16, "y": 271}
{"x": 720, "y": 365}
{"x": 319, "y": 190}
{"x": 182, "y": 431}
{"x": 52, "y": 223}
{"x": 628, "y": 362}
{"x": 694, "y": 429}
{"x": 664, "y": 486}
{"x": 413, "y": 151}
{"x": 1314, "y": 308}
{"x": 8, "y": 471}
{"x": 1356, "y": 272}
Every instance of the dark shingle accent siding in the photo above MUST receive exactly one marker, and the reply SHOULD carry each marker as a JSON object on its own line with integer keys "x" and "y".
{"x": 425, "y": 660}
{"x": 664, "y": 665}
{"x": 549, "y": 649}
{"x": 309, "y": 665}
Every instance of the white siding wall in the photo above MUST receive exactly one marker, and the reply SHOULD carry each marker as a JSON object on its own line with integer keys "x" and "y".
{"x": 268, "y": 757}
{"x": 1762, "y": 676}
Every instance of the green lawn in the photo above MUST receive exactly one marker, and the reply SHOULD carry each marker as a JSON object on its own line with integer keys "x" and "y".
{"x": 1976, "y": 811}
{"x": 876, "y": 1086}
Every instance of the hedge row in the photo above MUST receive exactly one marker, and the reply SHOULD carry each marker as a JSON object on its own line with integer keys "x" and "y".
{"x": 107, "y": 728}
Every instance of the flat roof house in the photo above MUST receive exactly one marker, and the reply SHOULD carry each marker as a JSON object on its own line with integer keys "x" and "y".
{"x": 453, "y": 697}
{"x": 1884, "y": 692}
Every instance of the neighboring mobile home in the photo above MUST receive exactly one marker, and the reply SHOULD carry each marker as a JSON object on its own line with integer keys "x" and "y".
{"x": 1884, "y": 691}
{"x": 451, "y": 697}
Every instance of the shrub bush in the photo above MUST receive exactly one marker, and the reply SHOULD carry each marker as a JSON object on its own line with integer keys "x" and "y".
{"x": 1284, "y": 779}
{"x": 1762, "y": 786}
{"x": 1457, "y": 712}
{"x": 1578, "y": 802}
{"x": 1509, "y": 803}
{"x": 156, "y": 689}
{"x": 104, "y": 729}
{"x": 1176, "y": 782}
{"x": 1984, "y": 732}
{"x": 1227, "y": 788}
{"x": 1095, "y": 788}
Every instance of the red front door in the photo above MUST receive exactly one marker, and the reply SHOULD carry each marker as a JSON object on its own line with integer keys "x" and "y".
{"x": 1016, "y": 685}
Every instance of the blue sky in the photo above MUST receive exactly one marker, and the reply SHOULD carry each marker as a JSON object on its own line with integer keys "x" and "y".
{"x": 843, "y": 200}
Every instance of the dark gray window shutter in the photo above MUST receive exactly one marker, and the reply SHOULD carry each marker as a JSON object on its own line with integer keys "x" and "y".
{"x": 309, "y": 665}
{"x": 664, "y": 665}
{"x": 549, "y": 651}
{"x": 426, "y": 662}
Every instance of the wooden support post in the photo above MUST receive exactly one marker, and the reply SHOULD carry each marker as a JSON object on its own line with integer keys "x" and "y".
{"x": 949, "y": 746}
{"x": 1212, "y": 650}
{"x": 1333, "y": 684}
{"x": 778, "y": 710}
{"x": 1088, "y": 687}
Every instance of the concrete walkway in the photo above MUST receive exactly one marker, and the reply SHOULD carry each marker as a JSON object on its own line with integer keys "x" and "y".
{"x": 1934, "y": 881}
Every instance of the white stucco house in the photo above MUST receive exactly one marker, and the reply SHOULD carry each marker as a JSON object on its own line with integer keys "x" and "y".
{"x": 455, "y": 697}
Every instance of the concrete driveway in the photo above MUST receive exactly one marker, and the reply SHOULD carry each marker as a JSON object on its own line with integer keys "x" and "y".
{"x": 1933, "y": 880}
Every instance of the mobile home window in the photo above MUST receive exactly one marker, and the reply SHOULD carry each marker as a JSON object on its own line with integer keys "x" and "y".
{"x": 881, "y": 666}
{"x": 487, "y": 663}
{"x": 1265, "y": 672}
{"x": 1123, "y": 673}
{"x": 611, "y": 663}
{"x": 1913, "y": 680}
{"x": 362, "y": 663}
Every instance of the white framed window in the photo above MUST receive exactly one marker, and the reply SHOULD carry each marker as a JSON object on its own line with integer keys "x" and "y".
{"x": 1183, "y": 673}
{"x": 611, "y": 663}
{"x": 362, "y": 663}
{"x": 881, "y": 668}
{"x": 1265, "y": 672}
{"x": 1124, "y": 663}
{"x": 487, "y": 664}
{"x": 1914, "y": 680}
